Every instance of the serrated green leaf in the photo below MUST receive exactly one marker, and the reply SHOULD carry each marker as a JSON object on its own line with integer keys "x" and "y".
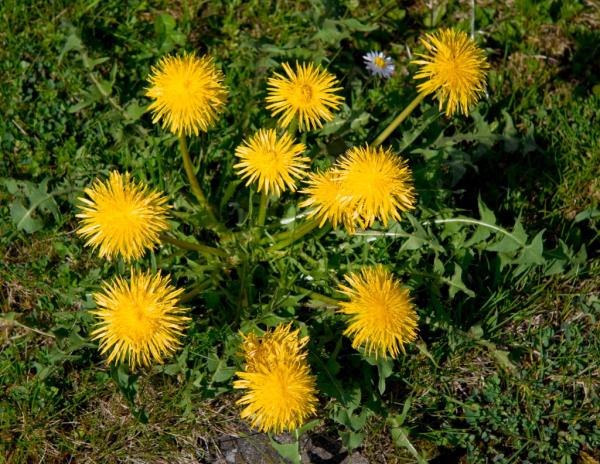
{"x": 481, "y": 234}
{"x": 134, "y": 111}
{"x": 455, "y": 284}
{"x": 353, "y": 24}
{"x": 532, "y": 254}
{"x": 81, "y": 105}
{"x": 506, "y": 245}
{"x": 413, "y": 243}
{"x": 486, "y": 214}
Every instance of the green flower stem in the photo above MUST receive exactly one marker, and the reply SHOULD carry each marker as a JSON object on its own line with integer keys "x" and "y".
{"x": 196, "y": 290}
{"x": 12, "y": 321}
{"x": 195, "y": 185}
{"x": 262, "y": 210}
{"x": 286, "y": 234}
{"x": 398, "y": 120}
{"x": 184, "y": 245}
{"x": 317, "y": 296}
{"x": 282, "y": 241}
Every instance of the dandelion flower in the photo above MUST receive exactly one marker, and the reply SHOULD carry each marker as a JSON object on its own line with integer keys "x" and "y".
{"x": 308, "y": 94}
{"x": 280, "y": 392}
{"x": 382, "y": 316}
{"x": 188, "y": 93}
{"x": 273, "y": 162}
{"x": 326, "y": 198}
{"x": 139, "y": 320}
{"x": 379, "y": 64}
{"x": 454, "y": 70}
{"x": 122, "y": 217}
{"x": 378, "y": 184}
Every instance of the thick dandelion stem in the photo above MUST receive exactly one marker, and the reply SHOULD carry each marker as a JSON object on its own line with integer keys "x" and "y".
{"x": 262, "y": 209}
{"x": 309, "y": 223}
{"x": 317, "y": 296}
{"x": 185, "y": 245}
{"x": 283, "y": 241}
{"x": 195, "y": 185}
{"x": 398, "y": 120}
{"x": 195, "y": 291}
{"x": 10, "y": 322}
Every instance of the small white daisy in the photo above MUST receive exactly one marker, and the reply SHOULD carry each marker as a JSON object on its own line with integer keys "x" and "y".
{"x": 379, "y": 64}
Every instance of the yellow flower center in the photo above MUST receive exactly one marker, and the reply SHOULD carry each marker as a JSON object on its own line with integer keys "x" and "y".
{"x": 379, "y": 62}
{"x": 304, "y": 95}
{"x": 123, "y": 216}
{"x": 137, "y": 319}
{"x": 120, "y": 218}
{"x": 271, "y": 164}
{"x": 185, "y": 92}
{"x": 380, "y": 316}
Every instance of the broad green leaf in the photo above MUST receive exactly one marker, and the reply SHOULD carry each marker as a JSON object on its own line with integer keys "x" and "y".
{"x": 385, "y": 368}
{"x": 400, "y": 439}
{"x": 330, "y": 33}
{"x": 223, "y": 373}
{"x": 73, "y": 42}
{"x": 289, "y": 451}
{"x": 333, "y": 126}
{"x": 361, "y": 120}
{"x": 352, "y": 440}
{"x": 21, "y": 217}
{"x": 309, "y": 426}
{"x": 589, "y": 213}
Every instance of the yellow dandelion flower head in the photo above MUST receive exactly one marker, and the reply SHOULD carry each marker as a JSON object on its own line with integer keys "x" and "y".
{"x": 188, "y": 93}
{"x": 378, "y": 183}
{"x": 326, "y": 198}
{"x": 280, "y": 390}
{"x": 454, "y": 69}
{"x": 122, "y": 217}
{"x": 382, "y": 316}
{"x": 139, "y": 320}
{"x": 306, "y": 93}
{"x": 274, "y": 163}
{"x": 270, "y": 346}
